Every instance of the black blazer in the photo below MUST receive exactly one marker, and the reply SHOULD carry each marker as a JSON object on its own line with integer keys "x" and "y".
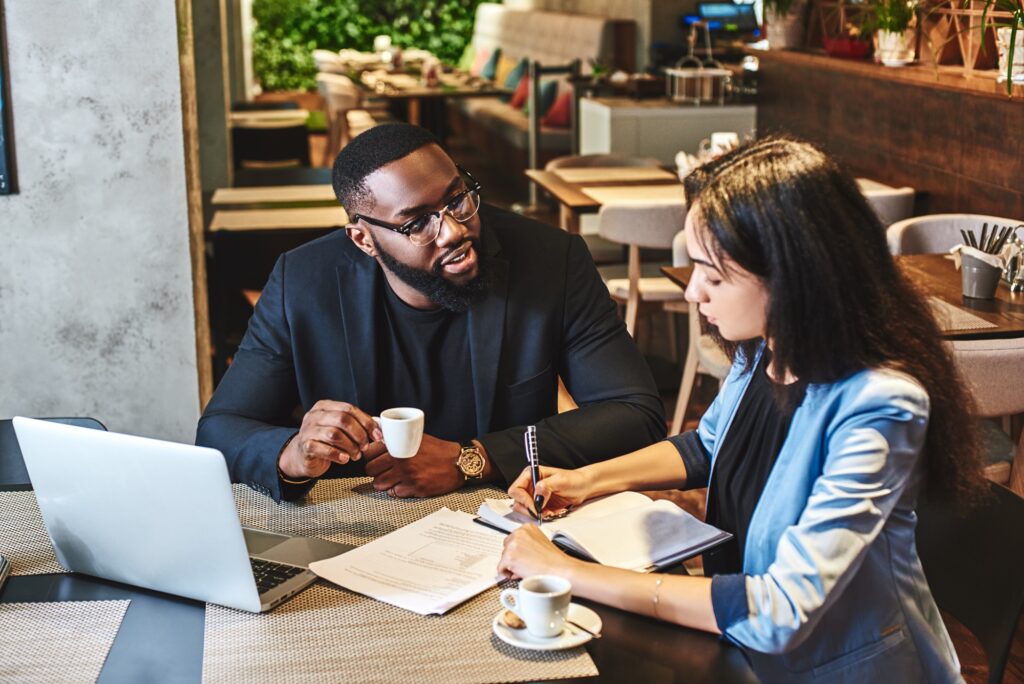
{"x": 548, "y": 314}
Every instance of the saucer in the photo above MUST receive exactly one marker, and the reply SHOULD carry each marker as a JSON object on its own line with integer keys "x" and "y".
{"x": 569, "y": 638}
{"x": 897, "y": 62}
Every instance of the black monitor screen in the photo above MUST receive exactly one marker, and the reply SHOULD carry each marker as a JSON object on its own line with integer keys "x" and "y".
{"x": 728, "y": 17}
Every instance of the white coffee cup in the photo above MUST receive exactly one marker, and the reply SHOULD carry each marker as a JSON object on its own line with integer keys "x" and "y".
{"x": 542, "y": 602}
{"x": 403, "y": 431}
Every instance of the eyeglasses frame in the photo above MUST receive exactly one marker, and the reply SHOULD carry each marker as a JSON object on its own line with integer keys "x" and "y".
{"x": 405, "y": 229}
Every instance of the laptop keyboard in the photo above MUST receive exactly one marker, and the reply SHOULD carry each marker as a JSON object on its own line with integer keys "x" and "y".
{"x": 269, "y": 574}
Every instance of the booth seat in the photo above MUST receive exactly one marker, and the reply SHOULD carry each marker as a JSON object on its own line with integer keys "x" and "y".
{"x": 552, "y": 38}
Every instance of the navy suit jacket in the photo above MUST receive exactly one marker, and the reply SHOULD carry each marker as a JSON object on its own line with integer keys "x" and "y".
{"x": 547, "y": 314}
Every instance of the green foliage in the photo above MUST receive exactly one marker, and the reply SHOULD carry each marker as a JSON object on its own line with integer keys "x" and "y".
{"x": 287, "y": 32}
{"x": 1015, "y": 22}
{"x": 891, "y": 15}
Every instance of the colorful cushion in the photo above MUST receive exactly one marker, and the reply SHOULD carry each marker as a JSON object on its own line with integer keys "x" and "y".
{"x": 503, "y": 69}
{"x": 548, "y": 93}
{"x": 558, "y": 115}
{"x": 516, "y": 75}
{"x": 490, "y": 67}
{"x": 468, "y": 59}
{"x": 522, "y": 94}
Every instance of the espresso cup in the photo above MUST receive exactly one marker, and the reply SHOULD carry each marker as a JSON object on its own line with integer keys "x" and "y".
{"x": 403, "y": 431}
{"x": 542, "y": 602}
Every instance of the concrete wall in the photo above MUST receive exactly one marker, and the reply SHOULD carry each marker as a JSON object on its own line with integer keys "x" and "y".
{"x": 96, "y": 314}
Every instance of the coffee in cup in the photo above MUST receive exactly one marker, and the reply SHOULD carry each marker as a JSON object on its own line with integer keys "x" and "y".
{"x": 403, "y": 431}
{"x": 542, "y": 602}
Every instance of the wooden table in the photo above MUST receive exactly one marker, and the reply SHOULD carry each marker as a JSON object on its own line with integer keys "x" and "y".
{"x": 936, "y": 276}
{"x": 572, "y": 199}
{"x": 304, "y": 218}
{"x": 276, "y": 194}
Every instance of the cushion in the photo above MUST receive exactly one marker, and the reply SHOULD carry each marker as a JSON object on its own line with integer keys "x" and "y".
{"x": 516, "y": 75}
{"x": 558, "y": 115}
{"x": 490, "y": 67}
{"x": 522, "y": 94}
{"x": 502, "y": 70}
{"x": 468, "y": 59}
{"x": 548, "y": 92}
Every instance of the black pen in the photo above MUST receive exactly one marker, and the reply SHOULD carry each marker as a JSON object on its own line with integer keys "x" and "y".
{"x": 530, "y": 443}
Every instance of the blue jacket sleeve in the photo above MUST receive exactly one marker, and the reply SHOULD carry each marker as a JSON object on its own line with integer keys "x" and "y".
{"x": 872, "y": 449}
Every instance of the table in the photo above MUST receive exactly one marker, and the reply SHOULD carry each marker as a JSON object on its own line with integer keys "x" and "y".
{"x": 302, "y": 218}
{"x": 936, "y": 276}
{"x": 572, "y": 199}
{"x": 161, "y": 637}
{"x": 322, "y": 193}
{"x": 402, "y": 87}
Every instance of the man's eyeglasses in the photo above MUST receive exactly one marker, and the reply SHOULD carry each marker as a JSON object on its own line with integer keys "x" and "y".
{"x": 425, "y": 228}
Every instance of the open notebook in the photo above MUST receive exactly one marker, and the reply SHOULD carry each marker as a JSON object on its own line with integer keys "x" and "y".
{"x": 624, "y": 530}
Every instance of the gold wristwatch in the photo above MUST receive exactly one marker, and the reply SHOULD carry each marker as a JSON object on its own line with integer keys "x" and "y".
{"x": 471, "y": 462}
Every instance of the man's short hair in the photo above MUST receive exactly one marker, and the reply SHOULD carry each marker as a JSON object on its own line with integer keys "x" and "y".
{"x": 369, "y": 151}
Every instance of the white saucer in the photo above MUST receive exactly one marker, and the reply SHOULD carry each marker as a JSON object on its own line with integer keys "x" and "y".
{"x": 897, "y": 62}
{"x": 569, "y": 638}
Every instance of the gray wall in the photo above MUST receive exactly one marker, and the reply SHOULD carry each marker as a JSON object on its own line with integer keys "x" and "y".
{"x": 210, "y": 45}
{"x": 96, "y": 314}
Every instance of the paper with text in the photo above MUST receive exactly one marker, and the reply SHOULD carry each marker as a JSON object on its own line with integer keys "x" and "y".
{"x": 428, "y": 567}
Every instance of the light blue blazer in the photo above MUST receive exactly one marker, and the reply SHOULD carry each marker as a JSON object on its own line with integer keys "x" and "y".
{"x": 832, "y": 588}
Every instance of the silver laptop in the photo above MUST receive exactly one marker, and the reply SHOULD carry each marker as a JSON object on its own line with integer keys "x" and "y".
{"x": 158, "y": 515}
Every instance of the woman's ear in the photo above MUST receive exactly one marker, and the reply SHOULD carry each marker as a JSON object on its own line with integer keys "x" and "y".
{"x": 361, "y": 238}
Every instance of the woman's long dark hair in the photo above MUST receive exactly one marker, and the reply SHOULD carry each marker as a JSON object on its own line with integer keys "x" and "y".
{"x": 784, "y": 211}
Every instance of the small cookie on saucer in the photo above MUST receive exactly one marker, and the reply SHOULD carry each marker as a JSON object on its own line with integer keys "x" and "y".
{"x": 511, "y": 620}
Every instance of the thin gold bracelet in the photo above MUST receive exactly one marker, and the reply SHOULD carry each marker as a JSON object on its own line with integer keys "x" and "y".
{"x": 657, "y": 594}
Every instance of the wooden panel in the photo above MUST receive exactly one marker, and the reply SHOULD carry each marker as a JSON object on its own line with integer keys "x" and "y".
{"x": 953, "y": 141}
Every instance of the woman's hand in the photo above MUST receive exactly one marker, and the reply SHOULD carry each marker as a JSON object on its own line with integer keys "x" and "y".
{"x": 560, "y": 489}
{"x": 528, "y": 552}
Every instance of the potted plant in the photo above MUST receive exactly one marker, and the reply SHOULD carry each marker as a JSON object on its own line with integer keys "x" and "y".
{"x": 1009, "y": 26}
{"x": 784, "y": 23}
{"x": 893, "y": 23}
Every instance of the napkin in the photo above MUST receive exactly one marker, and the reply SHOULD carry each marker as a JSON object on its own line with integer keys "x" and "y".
{"x": 995, "y": 260}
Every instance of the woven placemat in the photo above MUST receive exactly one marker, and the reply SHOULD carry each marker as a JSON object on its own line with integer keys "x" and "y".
{"x": 327, "y": 634}
{"x": 349, "y": 510}
{"x": 23, "y": 538}
{"x": 64, "y": 641}
{"x": 953, "y": 318}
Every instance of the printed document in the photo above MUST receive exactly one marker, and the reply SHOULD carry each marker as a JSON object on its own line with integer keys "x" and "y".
{"x": 428, "y": 567}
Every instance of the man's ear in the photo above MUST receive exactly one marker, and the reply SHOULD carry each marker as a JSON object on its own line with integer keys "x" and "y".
{"x": 361, "y": 238}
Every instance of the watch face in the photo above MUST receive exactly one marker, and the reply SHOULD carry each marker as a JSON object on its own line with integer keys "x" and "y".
{"x": 471, "y": 463}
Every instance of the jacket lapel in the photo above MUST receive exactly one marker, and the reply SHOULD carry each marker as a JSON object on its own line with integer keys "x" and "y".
{"x": 359, "y": 291}
{"x": 486, "y": 328}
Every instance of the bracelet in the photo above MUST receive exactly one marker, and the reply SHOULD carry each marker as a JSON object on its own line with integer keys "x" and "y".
{"x": 657, "y": 595}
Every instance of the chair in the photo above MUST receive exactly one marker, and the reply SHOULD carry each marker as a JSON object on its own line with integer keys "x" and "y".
{"x": 346, "y": 116}
{"x": 937, "y": 233}
{"x": 703, "y": 355}
{"x": 640, "y": 225}
{"x": 993, "y": 370}
{"x": 270, "y": 142}
{"x": 13, "y": 474}
{"x": 974, "y": 564}
{"x": 890, "y": 204}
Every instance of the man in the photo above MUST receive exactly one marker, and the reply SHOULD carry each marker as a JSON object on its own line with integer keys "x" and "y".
{"x": 427, "y": 299}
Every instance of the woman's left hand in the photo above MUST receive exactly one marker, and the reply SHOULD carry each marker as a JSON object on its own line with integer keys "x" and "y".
{"x": 528, "y": 552}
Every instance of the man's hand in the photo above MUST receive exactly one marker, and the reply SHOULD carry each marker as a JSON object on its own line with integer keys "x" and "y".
{"x": 430, "y": 472}
{"x": 331, "y": 432}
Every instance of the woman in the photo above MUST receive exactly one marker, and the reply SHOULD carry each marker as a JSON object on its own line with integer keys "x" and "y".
{"x": 841, "y": 406}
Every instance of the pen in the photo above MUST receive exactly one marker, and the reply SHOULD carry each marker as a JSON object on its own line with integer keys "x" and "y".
{"x": 530, "y": 440}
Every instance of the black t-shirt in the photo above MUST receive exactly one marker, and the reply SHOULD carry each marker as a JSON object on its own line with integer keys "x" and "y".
{"x": 745, "y": 459}
{"x": 424, "y": 363}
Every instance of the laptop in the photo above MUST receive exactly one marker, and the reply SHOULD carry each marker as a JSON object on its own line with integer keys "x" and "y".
{"x": 158, "y": 515}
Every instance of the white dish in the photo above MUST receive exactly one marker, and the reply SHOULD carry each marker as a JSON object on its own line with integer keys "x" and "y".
{"x": 569, "y": 638}
{"x": 897, "y": 62}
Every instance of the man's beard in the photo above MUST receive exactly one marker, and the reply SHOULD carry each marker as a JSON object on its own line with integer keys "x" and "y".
{"x": 435, "y": 287}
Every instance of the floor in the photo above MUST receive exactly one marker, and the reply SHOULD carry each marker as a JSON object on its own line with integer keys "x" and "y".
{"x": 972, "y": 656}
